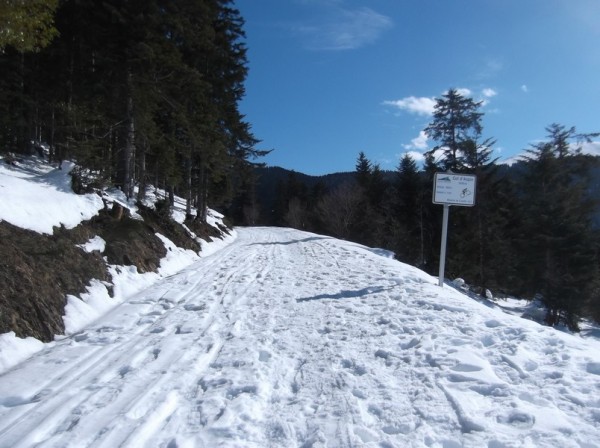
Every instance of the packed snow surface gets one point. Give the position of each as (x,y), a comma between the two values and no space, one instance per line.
(290,339)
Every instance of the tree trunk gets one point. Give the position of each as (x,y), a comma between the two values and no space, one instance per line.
(188,187)
(203,195)
(142,172)
(171,192)
(130,146)
(124,163)
(51,142)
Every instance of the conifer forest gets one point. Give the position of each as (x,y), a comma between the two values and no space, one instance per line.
(136,92)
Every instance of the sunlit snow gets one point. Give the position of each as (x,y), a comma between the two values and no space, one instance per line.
(283,338)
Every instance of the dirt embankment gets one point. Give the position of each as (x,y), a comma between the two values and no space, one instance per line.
(38,271)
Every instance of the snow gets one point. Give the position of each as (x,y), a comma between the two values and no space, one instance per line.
(34,196)
(282,338)
(95,243)
(14,350)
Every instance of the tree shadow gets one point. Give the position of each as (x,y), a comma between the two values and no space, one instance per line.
(287,243)
(345,294)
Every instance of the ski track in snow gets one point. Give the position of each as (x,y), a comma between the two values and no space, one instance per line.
(290,339)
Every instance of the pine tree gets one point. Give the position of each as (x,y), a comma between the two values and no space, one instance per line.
(409,211)
(27,25)
(480,251)
(363,170)
(558,242)
(456,120)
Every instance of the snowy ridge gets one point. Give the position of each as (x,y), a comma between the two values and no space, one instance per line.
(290,339)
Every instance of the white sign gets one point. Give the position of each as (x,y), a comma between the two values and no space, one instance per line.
(454,189)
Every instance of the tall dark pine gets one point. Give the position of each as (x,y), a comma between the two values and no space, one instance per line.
(363,170)
(409,210)
(480,252)
(456,120)
(558,241)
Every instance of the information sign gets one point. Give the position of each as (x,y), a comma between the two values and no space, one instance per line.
(454,189)
(451,189)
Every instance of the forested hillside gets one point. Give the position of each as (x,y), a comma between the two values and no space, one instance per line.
(137,93)
(533,231)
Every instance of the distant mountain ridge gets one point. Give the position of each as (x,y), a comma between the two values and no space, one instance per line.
(270,178)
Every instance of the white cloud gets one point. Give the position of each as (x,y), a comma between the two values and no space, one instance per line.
(464,91)
(524,88)
(418,143)
(416,156)
(425,106)
(414,105)
(487,93)
(344,29)
(591,148)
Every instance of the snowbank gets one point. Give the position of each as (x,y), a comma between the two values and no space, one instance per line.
(38,197)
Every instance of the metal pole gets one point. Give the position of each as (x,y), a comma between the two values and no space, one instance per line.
(443,245)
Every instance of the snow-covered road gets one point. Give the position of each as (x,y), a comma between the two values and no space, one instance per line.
(289,339)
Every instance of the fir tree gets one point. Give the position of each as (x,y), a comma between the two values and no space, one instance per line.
(456,120)
(558,242)
(363,170)
(27,25)
(409,211)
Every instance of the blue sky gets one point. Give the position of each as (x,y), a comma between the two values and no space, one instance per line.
(331,78)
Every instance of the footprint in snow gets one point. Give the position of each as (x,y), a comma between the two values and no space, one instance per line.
(359,394)
(193,307)
(264,356)
(357,370)
(593,368)
(79,337)
(518,419)
(493,323)
(235,392)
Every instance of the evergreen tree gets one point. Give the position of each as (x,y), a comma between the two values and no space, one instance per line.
(558,241)
(370,226)
(363,170)
(27,25)
(432,217)
(456,120)
(409,211)
(480,249)
(377,189)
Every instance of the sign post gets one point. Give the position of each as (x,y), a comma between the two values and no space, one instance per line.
(451,189)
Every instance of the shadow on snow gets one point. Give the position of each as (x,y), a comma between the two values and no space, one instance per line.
(347,294)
